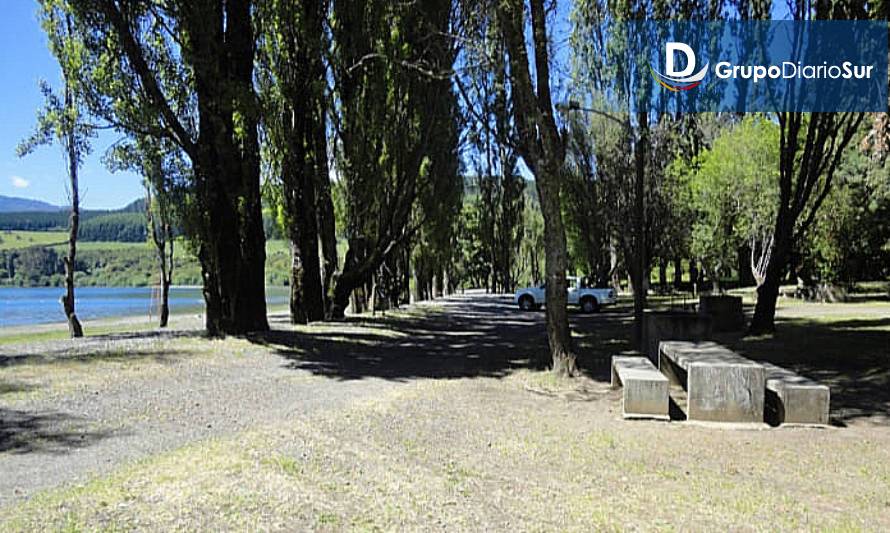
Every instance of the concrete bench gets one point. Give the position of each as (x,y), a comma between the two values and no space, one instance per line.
(794,399)
(721,386)
(645,392)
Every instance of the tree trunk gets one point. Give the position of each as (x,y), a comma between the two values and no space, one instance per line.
(662,275)
(641,264)
(543,151)
(555,263)
(161,234)
(307,294)
(764,319)
(614,264)
(165,303)
(296,303)
(437,284)
(74,327)
(678,273)
(226,163)
(765,310)
(328,241)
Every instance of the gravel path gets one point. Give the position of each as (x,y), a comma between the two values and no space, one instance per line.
(159,391)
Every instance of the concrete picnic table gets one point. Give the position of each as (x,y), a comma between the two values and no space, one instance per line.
(721,385)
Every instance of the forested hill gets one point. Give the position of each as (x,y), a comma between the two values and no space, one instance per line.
(12,204)
(121,225)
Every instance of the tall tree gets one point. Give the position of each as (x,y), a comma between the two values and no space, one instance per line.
(61,120)
(391,61)
(184,71)
(601,40)
(165,176)
(542,149)
(500,188)
(294,84)
(159,215)
(810,149)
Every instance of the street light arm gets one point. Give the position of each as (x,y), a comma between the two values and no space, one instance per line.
(575,106)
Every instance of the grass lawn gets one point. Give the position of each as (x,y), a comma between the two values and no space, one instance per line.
(13,240)
(511,450)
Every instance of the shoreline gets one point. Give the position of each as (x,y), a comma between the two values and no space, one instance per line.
(180,319)
(196,308)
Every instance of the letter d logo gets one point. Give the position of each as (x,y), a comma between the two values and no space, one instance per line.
(670,51)
(679,80)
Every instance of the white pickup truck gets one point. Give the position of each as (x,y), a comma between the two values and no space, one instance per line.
(589,300)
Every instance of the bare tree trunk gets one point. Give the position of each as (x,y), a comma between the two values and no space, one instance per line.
(543,151)
(614,270)
(372,301)
(640,271)
(678,272)
(296,304)
(764,317)
(161,234)
(165,300)
(74,327)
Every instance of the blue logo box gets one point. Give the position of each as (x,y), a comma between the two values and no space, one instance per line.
(751,66)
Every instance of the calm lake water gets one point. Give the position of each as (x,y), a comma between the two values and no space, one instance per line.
(25,306)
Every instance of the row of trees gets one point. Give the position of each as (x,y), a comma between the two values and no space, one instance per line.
(360,119)
(212,95)
(773,186)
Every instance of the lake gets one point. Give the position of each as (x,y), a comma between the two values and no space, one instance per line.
(40,305)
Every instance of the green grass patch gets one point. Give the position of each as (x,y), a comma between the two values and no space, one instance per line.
(14,240)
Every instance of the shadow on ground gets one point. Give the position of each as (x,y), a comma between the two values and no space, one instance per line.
(111,347)
(851,356)
(477,337)
(483,336)
(48,432)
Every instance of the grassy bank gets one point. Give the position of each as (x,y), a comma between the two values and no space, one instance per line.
(37,262)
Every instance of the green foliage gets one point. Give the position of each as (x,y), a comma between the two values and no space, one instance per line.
(38,221)
(473,265)
(117,227)
(731,189)
(850,240)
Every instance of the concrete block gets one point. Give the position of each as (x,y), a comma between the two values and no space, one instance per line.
(794,399)
(726,312)
(721,386)
(645,388)
(673,326)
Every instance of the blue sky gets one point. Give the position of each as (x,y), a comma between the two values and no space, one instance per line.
(25,59)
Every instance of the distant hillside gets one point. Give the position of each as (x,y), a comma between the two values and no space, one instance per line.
(125,225)
(11,204)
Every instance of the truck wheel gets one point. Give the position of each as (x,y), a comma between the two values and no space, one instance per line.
(590,305)
(526,303)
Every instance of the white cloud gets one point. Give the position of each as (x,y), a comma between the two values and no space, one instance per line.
(19,182)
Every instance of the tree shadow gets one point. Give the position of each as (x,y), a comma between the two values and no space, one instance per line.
(475,338)
(100,348)
(851,356)
(471,337)
(45,431)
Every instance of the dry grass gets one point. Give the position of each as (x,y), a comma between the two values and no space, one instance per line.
(520,451)
(489,454)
